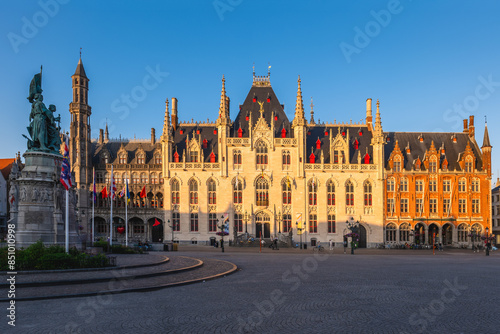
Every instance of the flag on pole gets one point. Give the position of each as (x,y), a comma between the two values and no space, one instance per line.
(127,191)
(143,192)
(66,170)
(299,223)
(93,191)
(104,192)
(156,223)
(225,222)
(122,193)
(113,185)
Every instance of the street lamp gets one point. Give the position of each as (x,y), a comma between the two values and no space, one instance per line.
(353,227)
(279,222)
(246,223)
(487,242)
(222,232)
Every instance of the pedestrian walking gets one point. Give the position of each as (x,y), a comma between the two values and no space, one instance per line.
(331,244)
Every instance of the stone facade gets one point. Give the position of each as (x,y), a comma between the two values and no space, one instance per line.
(259,168)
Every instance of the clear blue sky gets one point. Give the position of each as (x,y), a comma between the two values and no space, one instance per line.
(423,60)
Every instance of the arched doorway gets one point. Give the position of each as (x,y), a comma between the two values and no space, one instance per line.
(420,234)
(447,234)
(433,234)
(362,237)
(262,225)
(156,225)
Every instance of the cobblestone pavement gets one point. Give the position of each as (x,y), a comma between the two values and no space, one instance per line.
(295,292)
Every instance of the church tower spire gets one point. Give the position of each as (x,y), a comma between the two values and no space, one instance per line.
(486,150)
(299,118)
(224,101)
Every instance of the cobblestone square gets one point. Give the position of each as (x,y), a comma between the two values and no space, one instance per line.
(292,291)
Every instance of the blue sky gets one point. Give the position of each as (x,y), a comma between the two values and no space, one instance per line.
(430,63)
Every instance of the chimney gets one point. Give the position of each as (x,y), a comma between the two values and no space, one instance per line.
(153,137)
(369,117)
(466,127)
(174,113)
(101,136)
(471,126)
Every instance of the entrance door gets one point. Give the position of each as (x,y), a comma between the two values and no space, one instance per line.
(362,237)
(258,230)
(157,233)
(447,234)
(433,234)
(267,230)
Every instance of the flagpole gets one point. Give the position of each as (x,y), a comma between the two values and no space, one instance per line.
(93,203)
(66,225)
(111,212)
(126,218)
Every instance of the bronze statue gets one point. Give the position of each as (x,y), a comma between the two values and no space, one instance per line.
(43,130)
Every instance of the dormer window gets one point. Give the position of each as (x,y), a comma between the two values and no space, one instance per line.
(141,159)
(158,159)
(122,159)
(396,167)
(468,165)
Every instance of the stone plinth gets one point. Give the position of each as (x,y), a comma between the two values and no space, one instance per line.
(40,211)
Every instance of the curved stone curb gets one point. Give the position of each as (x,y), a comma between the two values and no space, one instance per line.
(30,272)
(145,289)
(105,279)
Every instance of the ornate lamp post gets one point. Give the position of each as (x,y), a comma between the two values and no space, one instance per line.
(353,227)
(222,232)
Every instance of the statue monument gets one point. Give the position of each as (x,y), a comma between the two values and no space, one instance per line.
(38,209)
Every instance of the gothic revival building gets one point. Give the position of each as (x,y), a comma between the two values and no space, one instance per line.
(270,174)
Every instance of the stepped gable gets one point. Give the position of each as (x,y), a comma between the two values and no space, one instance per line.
(261,91)
(364,141)
(131,146)
(206,132)
(418,149)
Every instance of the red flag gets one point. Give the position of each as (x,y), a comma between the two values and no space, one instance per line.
(156,223)
(104,192)
(143,192)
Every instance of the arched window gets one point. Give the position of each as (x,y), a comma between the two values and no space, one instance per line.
(287,223)
(176,221)
(331,223)
(396,167)
(135,178)
(106,178)
(468,164)
(262,192)
(475,185)
(367,188)
(157,159)
(261,154)
(404,232)
(123,158)
(462,232)
(403,186)
(126,178)
(175,192)
(238,222)
(212,192)
(313,223)
(237,192)
(390,232)
(117,177)
(313,192)
(154,178)
(390,184)
(286,160)
(161,178)
(476,230)
(433,165)
(212,222)
(144,178)
(193,156)
(349,194)
(193,192)
(193,222)
(330,193)
(462,185)
(237,159)
(141,159)
(287,191)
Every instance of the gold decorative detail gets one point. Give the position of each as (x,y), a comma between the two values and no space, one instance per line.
(261,110)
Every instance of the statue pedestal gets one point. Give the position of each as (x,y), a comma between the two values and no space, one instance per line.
(39,213)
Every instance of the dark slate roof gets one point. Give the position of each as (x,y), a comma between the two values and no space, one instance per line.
(130,146)
(318,131)
(80,70)
(206,132)
(453,151)
(486,138)
(261,93)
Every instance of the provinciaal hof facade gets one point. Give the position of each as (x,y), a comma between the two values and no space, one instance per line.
(277,177)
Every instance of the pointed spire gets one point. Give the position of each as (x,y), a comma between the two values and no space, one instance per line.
(80,71)
(486,139)
(312,112)
(299,107)
(106,133)
(223,110)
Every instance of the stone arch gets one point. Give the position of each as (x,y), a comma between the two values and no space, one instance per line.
(334,180)
(175,178)
(216,180)
(261,176)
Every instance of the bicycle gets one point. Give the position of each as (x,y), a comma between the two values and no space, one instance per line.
(319,249)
